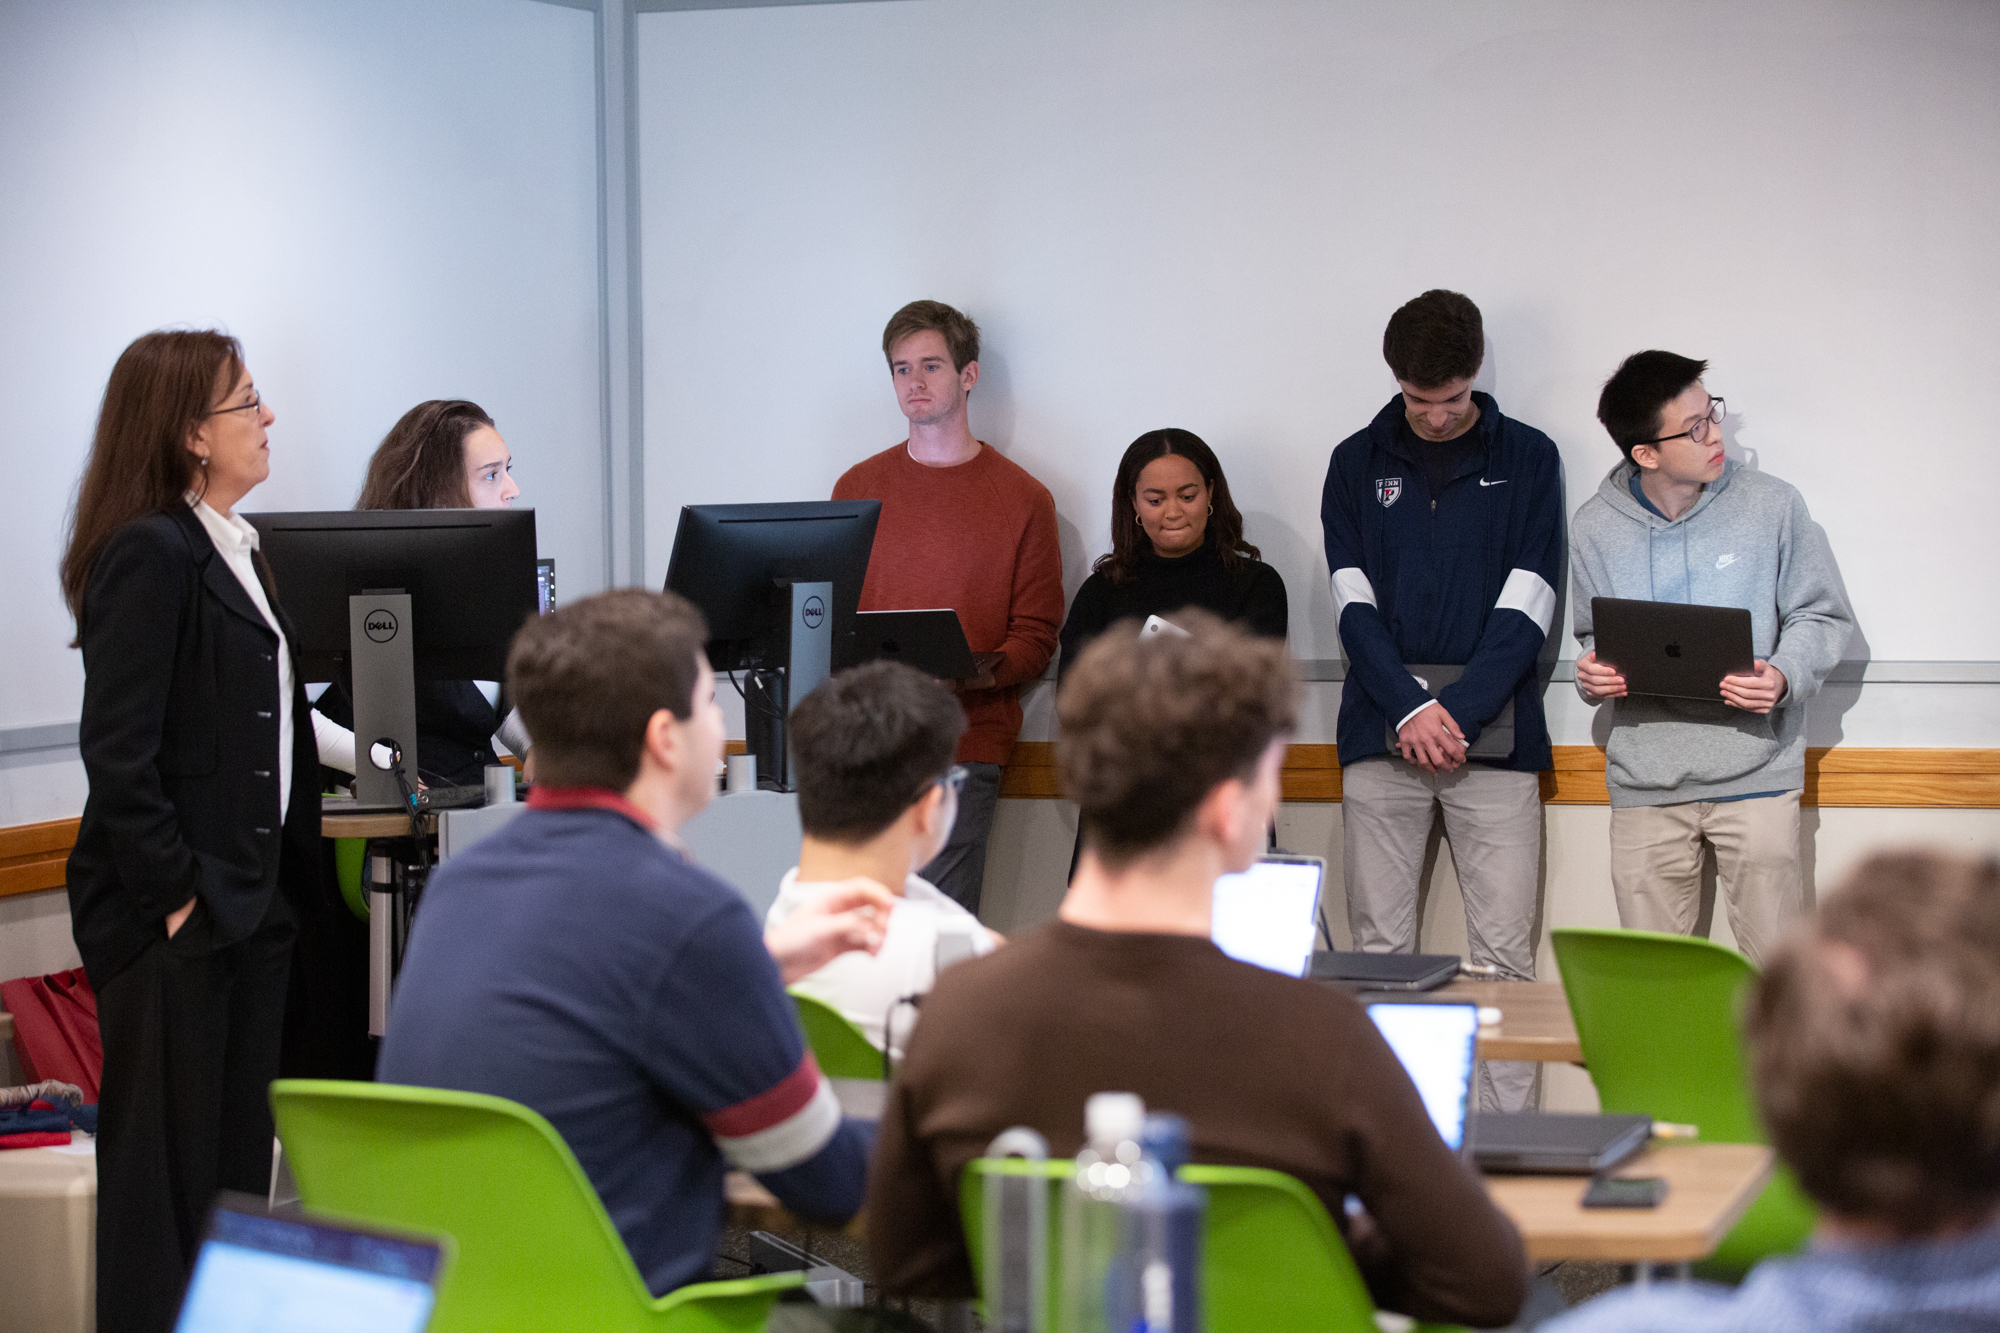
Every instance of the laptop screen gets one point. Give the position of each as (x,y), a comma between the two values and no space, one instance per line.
(263,1274)
(1436,1044)
(1267,915)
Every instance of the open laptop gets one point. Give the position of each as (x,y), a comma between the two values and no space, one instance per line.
(1672,648)
(263,1272)
(932,641)
(1436,1044)
(1268,914)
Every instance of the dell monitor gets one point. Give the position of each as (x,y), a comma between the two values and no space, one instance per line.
(779,585)
(395,595)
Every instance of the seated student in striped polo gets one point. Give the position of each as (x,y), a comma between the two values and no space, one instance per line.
(1876,1044)
(878,791)
(578,962)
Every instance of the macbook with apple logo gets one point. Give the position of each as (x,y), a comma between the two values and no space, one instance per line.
(1672,648)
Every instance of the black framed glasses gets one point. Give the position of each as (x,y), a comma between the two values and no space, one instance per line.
(1699,431)
(256,402)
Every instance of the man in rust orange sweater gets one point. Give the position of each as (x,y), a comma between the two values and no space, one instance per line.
(965,528)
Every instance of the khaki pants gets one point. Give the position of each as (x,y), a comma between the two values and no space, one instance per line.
(1656,855)
(1493,819)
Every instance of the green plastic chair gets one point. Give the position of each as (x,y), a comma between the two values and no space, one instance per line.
(1657,1018)
(1272,1260)
(535,1248)
(350,856)
(839,1047)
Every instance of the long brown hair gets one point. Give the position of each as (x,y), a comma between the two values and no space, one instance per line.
(1128,540)
(420,463)
(161,389)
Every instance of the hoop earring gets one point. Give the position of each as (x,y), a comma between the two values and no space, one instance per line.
(1211,511)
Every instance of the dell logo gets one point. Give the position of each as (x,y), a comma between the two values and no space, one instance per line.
(813,613)
(380,625)
(1673,650)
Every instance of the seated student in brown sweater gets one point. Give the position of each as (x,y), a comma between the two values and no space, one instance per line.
(1172,746)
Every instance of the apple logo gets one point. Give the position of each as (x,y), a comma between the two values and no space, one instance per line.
(1673,650)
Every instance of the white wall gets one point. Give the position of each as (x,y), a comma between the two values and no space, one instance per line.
(385,202)
(1201,214)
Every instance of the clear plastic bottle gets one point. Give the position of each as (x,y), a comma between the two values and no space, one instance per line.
(1106,1179)
(1156,1280)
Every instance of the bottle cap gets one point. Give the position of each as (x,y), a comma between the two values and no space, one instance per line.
(1112,1117)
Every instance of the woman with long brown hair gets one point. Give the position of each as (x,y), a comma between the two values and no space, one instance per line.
(202,822)
(442,454)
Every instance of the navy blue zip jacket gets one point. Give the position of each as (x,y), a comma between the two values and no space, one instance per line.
(1466,577)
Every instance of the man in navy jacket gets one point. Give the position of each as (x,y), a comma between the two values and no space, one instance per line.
(1444,535)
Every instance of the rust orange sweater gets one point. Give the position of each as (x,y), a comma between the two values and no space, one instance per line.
(979,538)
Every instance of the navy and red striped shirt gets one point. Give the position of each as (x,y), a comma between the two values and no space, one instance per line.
(577,964)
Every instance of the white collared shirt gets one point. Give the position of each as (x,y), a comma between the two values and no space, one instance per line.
(234,540)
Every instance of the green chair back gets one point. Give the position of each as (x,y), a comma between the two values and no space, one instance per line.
(1657,1018)
(535,1249)
(349,857)
(1272,1260)
(840,1048)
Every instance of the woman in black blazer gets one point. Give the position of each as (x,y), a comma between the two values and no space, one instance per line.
(203,813)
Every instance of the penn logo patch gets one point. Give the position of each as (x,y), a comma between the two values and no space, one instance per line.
(1388,490)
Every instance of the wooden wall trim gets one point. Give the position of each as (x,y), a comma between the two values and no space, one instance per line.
(32,855)
(1839,776)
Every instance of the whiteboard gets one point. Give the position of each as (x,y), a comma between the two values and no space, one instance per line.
(1202,214)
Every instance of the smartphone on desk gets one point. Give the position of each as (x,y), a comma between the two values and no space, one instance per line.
(1625,1192)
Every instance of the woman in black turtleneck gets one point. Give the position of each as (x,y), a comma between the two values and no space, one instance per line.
(1176,540)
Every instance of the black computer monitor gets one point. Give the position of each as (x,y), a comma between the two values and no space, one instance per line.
(733,562)
(470,574)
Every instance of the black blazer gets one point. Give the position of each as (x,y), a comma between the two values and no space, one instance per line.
(179,739)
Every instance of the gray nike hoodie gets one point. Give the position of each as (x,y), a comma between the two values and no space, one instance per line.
(1746,541)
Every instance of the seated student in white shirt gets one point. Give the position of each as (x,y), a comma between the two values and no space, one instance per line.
(872,753)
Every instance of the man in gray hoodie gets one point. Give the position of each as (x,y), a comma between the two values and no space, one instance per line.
(1678,522)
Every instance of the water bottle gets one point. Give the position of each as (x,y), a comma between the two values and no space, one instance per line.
(1107,1177)
(1156,1284)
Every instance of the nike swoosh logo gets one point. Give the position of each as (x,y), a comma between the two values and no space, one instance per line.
(1502,482)
(1724,561)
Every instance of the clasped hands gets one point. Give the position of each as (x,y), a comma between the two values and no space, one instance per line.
(1756,692)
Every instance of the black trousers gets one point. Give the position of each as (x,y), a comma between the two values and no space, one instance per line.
(191,1033)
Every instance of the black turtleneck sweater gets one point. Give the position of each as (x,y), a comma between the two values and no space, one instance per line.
(1254,597)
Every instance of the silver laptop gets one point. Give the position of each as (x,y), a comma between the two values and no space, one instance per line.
(1436,1043)
(264,1272)
(1269,914)
(1672,648)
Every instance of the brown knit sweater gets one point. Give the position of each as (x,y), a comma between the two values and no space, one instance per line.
(1270,1071)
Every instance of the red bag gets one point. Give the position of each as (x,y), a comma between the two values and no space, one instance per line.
(55,1029)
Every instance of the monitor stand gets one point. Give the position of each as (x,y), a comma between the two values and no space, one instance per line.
(808,649)
(385,704)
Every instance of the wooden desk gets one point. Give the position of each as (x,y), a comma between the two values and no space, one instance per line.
(1709,1185)
(381,824)
(1535,1022)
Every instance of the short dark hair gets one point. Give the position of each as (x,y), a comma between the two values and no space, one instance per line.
(865,746)
(1435,339)
(1638,390)
(961,335)
(1876,1032)
(589,677)
(420,463)
(1151,725)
